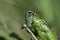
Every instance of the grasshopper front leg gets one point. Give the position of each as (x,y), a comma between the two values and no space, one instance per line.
(28,29)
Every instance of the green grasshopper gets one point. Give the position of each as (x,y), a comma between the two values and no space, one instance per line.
(39,27)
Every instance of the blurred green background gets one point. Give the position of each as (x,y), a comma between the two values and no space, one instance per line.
(12,15)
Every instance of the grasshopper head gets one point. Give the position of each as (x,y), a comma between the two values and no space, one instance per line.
(29,18)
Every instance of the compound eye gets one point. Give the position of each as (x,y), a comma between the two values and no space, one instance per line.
(30,14)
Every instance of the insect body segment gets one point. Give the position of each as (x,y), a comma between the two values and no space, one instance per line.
(43,31)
